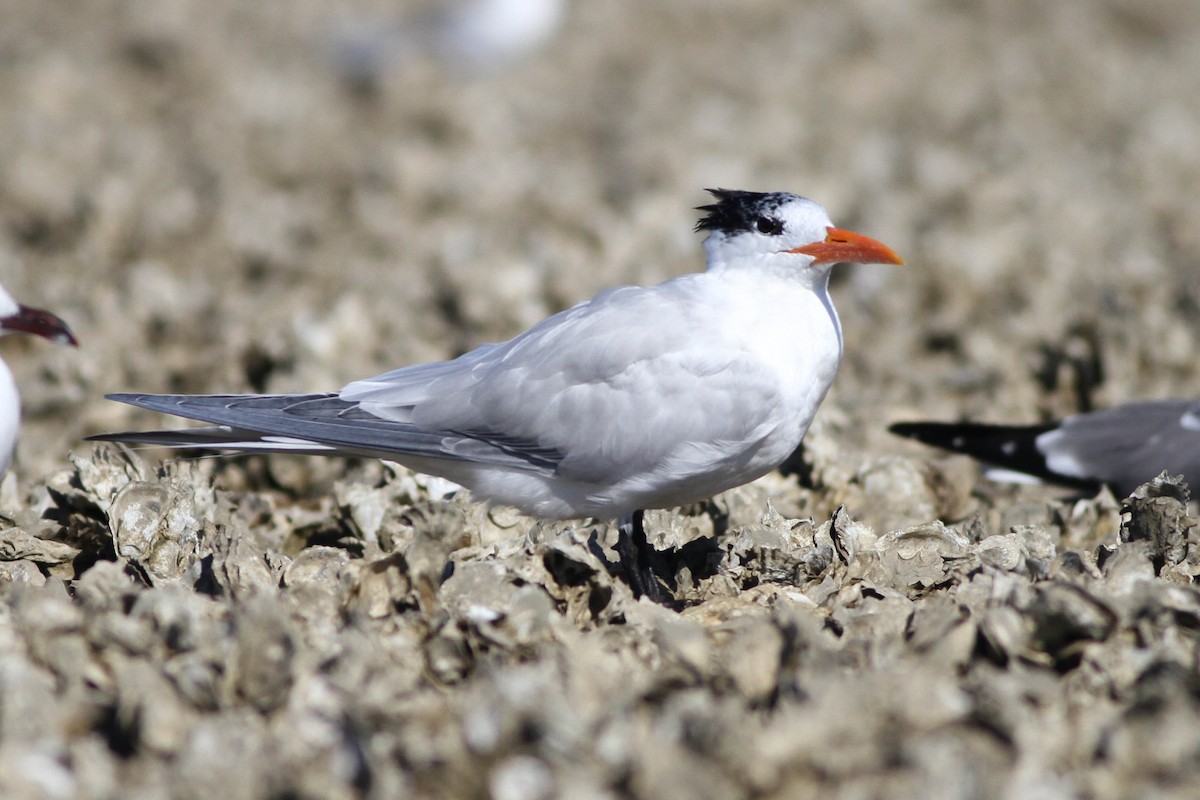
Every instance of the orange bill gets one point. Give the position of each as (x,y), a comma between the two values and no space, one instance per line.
(848,246)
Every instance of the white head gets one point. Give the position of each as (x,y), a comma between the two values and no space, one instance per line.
(8,306)
(781,231)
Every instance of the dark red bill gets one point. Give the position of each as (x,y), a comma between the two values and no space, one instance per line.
(40,323)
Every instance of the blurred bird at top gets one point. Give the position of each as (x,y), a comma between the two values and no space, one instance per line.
(17,318)
(468,37)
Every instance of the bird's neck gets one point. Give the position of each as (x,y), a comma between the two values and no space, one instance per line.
(768,266)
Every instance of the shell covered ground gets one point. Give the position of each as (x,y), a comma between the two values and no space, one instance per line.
(228,197)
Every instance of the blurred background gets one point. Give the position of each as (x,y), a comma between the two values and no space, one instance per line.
(229,196)
(237,196)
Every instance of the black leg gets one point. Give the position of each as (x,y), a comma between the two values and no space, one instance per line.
(640,559)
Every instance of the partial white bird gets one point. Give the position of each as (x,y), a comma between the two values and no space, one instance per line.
(643,397)
(16,318)
(1121,447)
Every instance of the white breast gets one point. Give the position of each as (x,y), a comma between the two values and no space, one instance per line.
(10,417)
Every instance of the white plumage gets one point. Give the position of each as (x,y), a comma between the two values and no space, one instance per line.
(643,397)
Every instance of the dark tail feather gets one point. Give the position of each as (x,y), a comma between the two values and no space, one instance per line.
(216,438)
(1012,447)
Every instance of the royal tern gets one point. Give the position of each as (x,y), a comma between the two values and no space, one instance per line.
(1122,447)
(17,318)
(643,397)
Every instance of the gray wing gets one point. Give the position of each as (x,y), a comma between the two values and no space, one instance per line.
(1128,445)
(602,392)
(611,386)
(321,423)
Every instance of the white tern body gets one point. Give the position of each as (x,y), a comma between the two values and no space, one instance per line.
(643,397)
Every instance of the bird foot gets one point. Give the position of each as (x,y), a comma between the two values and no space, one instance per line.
(645,568)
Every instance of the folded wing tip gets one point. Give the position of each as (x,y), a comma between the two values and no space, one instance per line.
(107,437)
(922,431)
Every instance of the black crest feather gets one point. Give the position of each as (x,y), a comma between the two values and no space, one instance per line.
(736,210)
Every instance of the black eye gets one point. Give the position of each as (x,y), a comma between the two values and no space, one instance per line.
(769,226)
